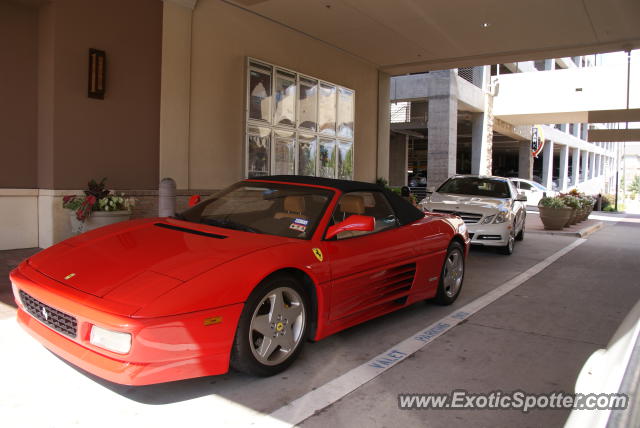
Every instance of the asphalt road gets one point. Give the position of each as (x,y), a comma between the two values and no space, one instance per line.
(534,338)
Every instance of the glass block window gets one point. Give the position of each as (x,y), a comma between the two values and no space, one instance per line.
(297,124)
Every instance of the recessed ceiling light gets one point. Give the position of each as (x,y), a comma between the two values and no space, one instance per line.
(486,25)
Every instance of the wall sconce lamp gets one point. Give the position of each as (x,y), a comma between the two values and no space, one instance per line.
(97,73)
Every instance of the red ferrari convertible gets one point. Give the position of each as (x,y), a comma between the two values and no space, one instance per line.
(243,278)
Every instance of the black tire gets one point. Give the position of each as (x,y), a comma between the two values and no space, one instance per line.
(520,235)
(443,296)
(243,352)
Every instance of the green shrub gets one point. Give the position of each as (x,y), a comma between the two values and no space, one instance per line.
(607,200)
(571,201)
(552,202)
(586,202)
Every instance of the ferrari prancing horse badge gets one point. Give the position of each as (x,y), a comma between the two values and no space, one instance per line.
(318,254)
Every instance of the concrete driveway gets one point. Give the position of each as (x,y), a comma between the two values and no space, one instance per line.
(527,322)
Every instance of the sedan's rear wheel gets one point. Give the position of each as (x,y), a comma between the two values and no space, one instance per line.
(272,327)
(452,275)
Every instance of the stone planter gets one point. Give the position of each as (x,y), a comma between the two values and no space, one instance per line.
(97,219)
(554,218)
(581,215)
(589,211)
(574,220)
(572,217)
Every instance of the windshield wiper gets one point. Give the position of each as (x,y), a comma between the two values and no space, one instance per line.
(228,224)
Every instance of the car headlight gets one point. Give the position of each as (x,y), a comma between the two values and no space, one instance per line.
(111,340)
(488,219)
(501,217)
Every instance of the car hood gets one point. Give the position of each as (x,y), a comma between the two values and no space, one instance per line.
(466,203)
(141,259)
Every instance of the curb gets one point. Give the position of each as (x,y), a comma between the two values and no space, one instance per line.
(582,233)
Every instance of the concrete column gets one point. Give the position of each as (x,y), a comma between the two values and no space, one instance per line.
(482,127)
(592,166)
(442,128)
(547,164)
(564,168)
(384,125)
(398,155)
(576,130)
(585,165)
(575,166)
(481,144)
(175,91)
(596,169)
(549,64)
(525,161)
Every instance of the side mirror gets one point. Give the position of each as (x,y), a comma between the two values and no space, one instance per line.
(521,197)
(194,200)
(431,189)
(353,222)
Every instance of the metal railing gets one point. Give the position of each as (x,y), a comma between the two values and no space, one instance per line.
(400,112)
(466,73)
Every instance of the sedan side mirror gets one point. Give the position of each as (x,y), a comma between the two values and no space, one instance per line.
(353,222)
(521,197)
(431,189)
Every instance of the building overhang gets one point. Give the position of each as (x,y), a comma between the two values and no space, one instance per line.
(613,135)
(405,36)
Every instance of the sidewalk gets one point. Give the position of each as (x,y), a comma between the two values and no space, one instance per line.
(536,339)
(580,230)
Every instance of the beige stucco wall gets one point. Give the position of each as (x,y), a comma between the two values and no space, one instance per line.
(19,215)
(222,37)
(80,138)
(18,95)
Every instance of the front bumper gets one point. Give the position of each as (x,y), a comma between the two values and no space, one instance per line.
(163,349)
(490,235)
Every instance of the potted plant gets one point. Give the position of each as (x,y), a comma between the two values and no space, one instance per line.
(590,202)
(583,211)
(553,212)
(582,208)
(98,207)
(573,203)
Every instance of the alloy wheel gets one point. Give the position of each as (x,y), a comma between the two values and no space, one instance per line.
(453,272)
(277,326)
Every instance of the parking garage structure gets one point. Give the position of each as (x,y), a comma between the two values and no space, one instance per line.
(479,120)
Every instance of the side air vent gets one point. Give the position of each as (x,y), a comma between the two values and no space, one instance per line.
(386,287)
(192,231)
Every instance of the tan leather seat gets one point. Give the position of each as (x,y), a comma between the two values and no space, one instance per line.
(293,208)
(352,204)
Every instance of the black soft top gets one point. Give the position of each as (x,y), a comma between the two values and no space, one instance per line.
(405,211)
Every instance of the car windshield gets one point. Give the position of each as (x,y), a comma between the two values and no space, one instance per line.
(488,187)
(275,209)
